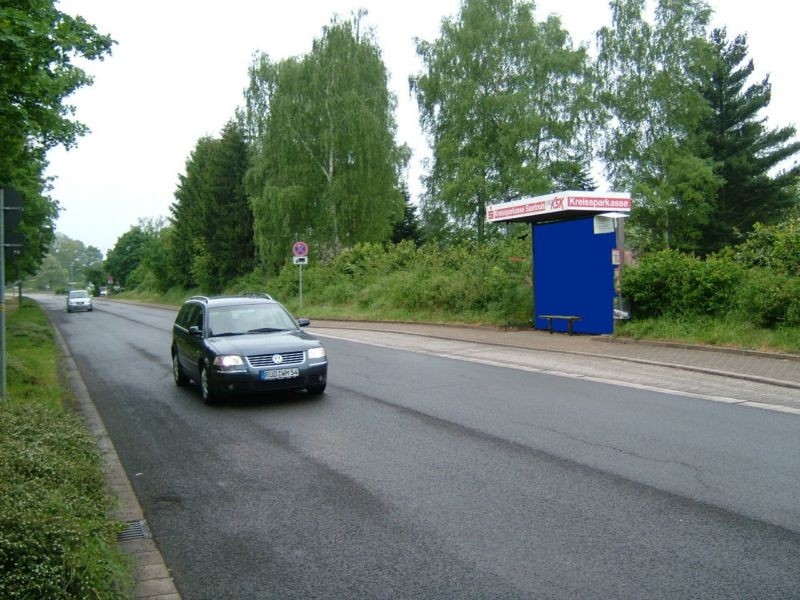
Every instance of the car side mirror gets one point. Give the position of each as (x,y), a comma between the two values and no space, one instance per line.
(303,322)
(196,331)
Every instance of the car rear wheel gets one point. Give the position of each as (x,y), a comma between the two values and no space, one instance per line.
(205,388)
(177,372)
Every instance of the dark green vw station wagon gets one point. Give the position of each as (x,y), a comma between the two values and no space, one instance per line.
(246,344)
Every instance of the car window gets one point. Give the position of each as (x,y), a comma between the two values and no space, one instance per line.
(241,319)
(196,316)
(78,294)
(183,316)
(190,314)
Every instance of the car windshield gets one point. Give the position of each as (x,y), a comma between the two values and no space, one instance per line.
(78,294)
(249,318)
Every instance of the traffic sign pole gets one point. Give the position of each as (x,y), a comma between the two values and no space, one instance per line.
(10,200)
(3,296)
(300,251)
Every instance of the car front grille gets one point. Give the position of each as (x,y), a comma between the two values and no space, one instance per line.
(268,360)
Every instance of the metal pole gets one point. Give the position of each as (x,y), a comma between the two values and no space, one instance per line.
(533,278)
(620,236)
(300,266)
(3,296)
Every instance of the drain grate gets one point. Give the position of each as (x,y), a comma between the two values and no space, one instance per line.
(135,530)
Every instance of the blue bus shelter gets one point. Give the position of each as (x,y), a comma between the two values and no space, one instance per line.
(578,240)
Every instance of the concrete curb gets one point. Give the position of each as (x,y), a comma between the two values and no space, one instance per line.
(369,325)
(706,348)
(376,326)
(150,572)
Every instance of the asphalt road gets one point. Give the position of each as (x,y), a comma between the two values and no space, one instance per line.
(418,476)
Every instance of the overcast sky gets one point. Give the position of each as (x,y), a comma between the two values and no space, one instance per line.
(179,68)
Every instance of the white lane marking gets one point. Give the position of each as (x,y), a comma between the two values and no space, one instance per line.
(557,373)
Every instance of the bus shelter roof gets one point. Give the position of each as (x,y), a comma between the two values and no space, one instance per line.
(559,206)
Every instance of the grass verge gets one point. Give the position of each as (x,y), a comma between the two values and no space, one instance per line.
(710,331)
(56,537)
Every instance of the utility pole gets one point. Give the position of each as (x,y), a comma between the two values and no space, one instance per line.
(3,389)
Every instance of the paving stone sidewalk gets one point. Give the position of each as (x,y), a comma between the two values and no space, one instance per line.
(766,367)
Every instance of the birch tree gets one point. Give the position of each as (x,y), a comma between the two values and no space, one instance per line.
(650,71)
(504,98)
(326,167)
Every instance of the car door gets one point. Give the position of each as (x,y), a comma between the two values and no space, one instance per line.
(194,347)
(188,346)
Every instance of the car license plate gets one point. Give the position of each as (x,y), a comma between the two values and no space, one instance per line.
(279,374)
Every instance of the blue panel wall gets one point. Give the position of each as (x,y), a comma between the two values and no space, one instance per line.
(574,275)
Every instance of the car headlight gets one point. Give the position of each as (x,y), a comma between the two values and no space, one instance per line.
(318,352)
(229,362)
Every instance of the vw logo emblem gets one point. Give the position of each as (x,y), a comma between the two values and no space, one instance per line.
(277,359)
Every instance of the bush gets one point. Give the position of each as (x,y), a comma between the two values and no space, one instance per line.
(55,538)
(712,286)
(459,282)
(671,284)
(773,247)
(769,299)
(657,285)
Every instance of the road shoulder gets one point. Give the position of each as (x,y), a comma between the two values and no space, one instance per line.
(150,572)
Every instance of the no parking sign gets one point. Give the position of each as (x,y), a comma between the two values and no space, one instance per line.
(300,249)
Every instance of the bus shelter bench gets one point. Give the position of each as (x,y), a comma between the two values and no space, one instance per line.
(569,318)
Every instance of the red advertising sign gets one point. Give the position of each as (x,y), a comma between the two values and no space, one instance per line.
(567,203)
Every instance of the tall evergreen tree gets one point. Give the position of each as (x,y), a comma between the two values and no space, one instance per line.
(741,147)
(572,174)
(409,228)
(228,217)
(211,240)
(187,213)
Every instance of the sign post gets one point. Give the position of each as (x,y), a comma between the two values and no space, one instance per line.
(3,391)
(300,251)
(10,200)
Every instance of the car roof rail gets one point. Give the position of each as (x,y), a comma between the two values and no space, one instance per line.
(201,298)
(257,295)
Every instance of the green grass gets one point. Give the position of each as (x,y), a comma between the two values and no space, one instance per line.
(174,296)
(31,370)
(56,537)
(351,312)
(729,333)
